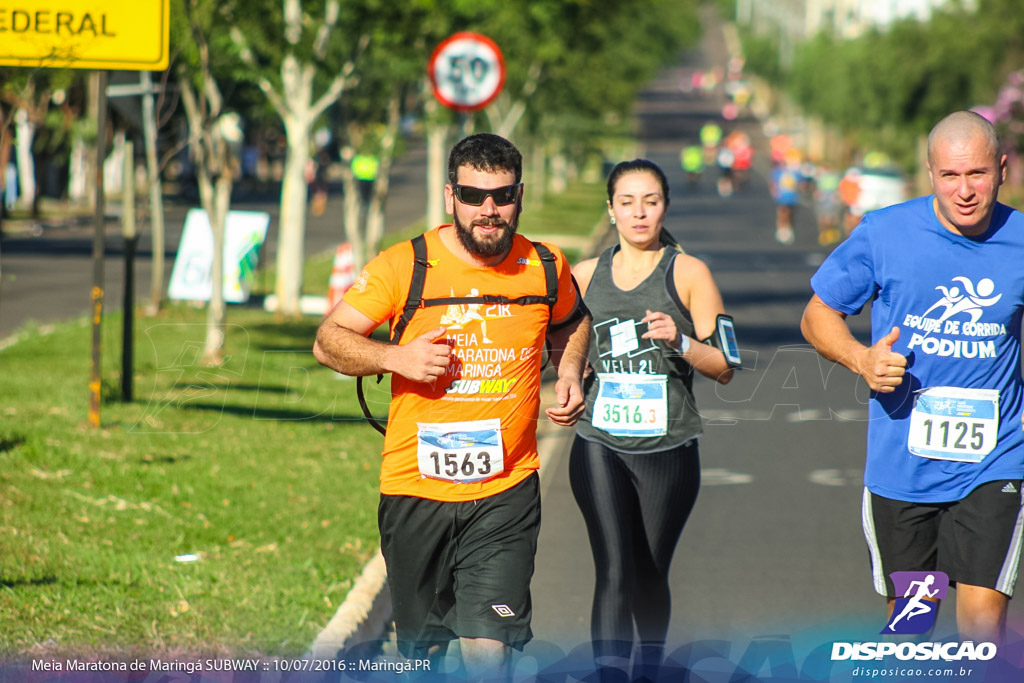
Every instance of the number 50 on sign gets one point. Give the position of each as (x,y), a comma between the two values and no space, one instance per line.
(467,71)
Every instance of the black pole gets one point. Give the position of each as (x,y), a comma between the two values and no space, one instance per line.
(131,242)
(127,365)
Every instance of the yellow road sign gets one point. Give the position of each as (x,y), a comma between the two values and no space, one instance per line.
(85,34)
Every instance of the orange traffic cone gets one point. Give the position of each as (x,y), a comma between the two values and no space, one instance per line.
(342,275)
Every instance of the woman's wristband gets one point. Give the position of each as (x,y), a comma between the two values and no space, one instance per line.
(684,344)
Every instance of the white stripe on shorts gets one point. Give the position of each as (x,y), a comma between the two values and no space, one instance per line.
(1008,572)
(867,521)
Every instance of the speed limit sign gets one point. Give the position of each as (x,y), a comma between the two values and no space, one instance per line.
(467,71)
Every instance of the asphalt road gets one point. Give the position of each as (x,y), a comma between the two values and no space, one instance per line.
(47,274)
(773,559)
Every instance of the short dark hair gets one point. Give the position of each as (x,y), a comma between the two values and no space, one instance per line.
(637,166)
(485,152)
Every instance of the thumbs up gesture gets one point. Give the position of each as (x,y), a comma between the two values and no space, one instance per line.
(422,359)
(882,368)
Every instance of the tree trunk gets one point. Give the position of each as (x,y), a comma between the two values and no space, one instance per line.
(351,210)
(559,180)
(437,136)
(292,221)
(156,202)
(214,172)
(294,103)
(25,132)
(113,166)
(78,171)
(215,196)
(375,211)
(538,175)
(206,200)
(216,312)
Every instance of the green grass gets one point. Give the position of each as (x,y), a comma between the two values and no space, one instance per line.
(573,213)
(263,467)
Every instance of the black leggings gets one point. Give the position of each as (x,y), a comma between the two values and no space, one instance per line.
(635,507)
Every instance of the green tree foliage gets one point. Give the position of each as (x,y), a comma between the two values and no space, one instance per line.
(762,55)
(590,59)
(573,67)
(887,88)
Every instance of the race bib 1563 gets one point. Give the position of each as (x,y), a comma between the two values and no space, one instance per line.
(460,452)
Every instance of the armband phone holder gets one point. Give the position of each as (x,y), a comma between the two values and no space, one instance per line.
(724,339)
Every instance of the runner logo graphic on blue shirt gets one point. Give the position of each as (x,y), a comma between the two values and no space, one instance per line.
(972,301)
(915,612)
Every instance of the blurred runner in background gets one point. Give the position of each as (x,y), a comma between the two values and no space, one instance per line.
(786,181)
(849,193)
(743,156)
(692,160)
(710,136)
(726,159)
(827,206)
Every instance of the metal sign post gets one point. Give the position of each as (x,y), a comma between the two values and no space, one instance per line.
(131,241)
(131,35)
(99,246)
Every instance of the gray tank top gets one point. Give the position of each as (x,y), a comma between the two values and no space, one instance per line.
(628,404)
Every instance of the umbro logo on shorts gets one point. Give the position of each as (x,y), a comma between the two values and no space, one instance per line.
(503,610)
(1009,488)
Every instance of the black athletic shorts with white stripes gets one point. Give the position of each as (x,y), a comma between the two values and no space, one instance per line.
(975,540)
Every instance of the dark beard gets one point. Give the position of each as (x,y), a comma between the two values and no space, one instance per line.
(490,247)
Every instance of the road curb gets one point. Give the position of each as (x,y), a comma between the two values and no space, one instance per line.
(362,616)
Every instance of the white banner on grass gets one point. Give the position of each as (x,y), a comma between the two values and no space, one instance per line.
(244,233)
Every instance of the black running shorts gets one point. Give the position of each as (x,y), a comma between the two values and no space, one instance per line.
(975,540)
(461,570)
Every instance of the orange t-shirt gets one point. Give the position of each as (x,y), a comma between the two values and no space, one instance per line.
(491,386)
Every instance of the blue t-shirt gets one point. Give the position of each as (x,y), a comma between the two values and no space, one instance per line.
(958,303)
(786,185)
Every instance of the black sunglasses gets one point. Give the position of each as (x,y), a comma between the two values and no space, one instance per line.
(475,196)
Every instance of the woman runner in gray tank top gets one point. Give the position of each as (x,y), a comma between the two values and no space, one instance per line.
(634,467)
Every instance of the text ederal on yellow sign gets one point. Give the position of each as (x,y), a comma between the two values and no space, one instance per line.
(85,34)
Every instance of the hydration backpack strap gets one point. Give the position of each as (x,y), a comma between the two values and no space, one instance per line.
(365,408)
(412,302)
(547,259)
(415,298)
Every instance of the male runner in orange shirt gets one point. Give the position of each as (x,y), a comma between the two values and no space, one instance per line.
(460,502)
